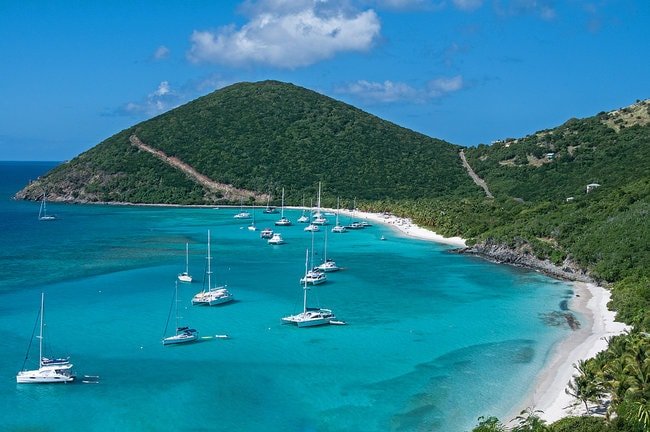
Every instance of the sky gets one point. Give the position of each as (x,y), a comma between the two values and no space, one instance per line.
(73,73)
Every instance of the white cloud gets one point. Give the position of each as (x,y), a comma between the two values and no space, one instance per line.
(390,92)
(163,89)
(161,53)
(442,86)
(468,5)
(166,97)
(541,8)
(402,4)
(385,92)
(283,35)
(160,100)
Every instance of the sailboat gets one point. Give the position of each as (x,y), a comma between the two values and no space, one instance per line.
(183,334)
(242,214)
(338,228)
(55,370)
(309,317)
(269,209)
(315,276)
(213,295)
(185,276)
(303,217)
(283,221)
(252,226)
(42,212)
(318,217)
(328,265)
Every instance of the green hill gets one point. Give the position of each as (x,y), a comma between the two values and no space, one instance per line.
(251,139)
(260,137)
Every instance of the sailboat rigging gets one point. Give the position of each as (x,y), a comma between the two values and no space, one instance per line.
(42,212)
(185,276)
(183,334)
(54,370)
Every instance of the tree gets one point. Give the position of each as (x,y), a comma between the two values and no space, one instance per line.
(586,386)
(489,424)
(530,421)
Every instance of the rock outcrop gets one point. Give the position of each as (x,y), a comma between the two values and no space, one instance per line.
(522,257)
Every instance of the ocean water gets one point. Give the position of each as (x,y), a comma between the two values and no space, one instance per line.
(433,340)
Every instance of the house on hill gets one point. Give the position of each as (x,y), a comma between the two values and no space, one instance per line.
(592,186)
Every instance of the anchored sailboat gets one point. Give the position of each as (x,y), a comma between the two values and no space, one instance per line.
(183,334)
(55,370)
(283,221)
(42,212)
(212,295)
(309,317)
(185,276)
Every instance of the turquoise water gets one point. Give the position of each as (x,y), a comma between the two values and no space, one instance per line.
(433,340)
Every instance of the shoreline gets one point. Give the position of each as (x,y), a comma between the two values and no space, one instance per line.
(547,393)
(406,226)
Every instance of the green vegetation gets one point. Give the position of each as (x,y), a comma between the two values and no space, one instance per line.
(264,136)
(605,231)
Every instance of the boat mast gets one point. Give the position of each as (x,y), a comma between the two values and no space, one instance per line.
(176,301)
(40,336)
(318,214)
(338,202)
(187,258)
(304,306)
(209,266)
(282,210)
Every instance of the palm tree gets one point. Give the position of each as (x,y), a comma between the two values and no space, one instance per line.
(586,385)
(489,424)
(641,416)
(530,421)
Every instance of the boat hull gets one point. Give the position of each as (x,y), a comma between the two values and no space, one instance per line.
(180,339)
(44,376)
(311,318)
(183,277)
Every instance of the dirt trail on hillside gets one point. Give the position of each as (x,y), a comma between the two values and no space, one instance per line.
(478,180)
(229,192)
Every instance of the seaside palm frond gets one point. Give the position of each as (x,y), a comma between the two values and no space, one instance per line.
(642,415)
(489,424)
(586,386)
(529,420)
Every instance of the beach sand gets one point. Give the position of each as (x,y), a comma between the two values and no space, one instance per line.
(590,302)
(548,394)
(406,226)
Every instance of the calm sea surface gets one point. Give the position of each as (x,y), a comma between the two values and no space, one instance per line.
(433,340)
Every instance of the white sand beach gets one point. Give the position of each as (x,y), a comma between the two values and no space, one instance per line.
(590,301)
(548,394)
(405,226)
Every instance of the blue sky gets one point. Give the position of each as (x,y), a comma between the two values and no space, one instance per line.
(73,73)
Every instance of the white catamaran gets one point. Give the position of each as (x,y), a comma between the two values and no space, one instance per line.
(212,295)
(309,317)
(55,370)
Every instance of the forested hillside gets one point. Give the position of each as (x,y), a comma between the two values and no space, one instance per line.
(262,137)
(575,197)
